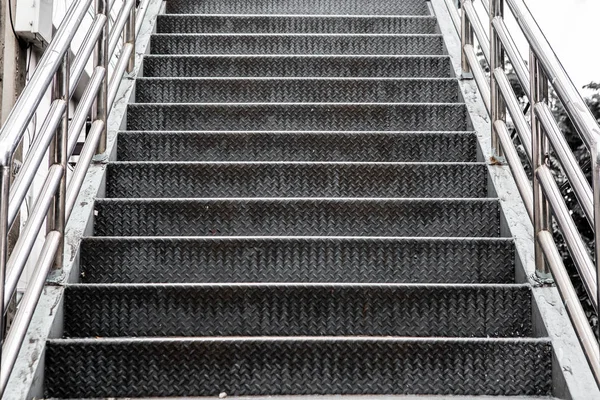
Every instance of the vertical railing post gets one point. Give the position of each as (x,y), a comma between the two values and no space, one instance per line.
(59,155)
(540,147)
(101,59)
(130,37)
(5,171)
(596,193)
(466,37)
(497,59)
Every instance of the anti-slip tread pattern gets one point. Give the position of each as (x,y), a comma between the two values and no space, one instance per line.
(297,66)
(204,180)
(277,217)
(297,310)
(298,146)
(173,23)
(301,116)
(179,43)
(308,90)
(163,367)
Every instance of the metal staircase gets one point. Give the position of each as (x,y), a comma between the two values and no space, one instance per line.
(297,207)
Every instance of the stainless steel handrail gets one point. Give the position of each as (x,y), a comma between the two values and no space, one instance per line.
(542,197)
(57,137)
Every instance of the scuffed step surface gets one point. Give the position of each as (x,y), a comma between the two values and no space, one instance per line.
(272,366)
(339,7)
(173,23)
(297,66)
(298,116)
(297,310)
(298,146)
(179,43)
(310,90)
(366,260)
(292,217)
(196,180)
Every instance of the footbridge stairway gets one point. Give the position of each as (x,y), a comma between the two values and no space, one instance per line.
(298,207)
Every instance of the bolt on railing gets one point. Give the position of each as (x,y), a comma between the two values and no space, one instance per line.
(542,197)
(58,137)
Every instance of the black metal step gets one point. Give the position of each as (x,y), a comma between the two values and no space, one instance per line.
(181,43)
(295,90)
(235,23)
(298,146)
(79,368)
(297,66)
(297,217)
(311,7)
(264,259)
(297,310)
(299,116)
(205,180)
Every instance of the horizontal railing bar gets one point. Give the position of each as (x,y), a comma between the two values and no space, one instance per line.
(454,16)
(85,51)
(576,109)
(486,6)
(480,79)
(82,111)
(480,33)
(27,238)
(577,179)
(513,54)
(117,30)
(577,249)
(119,70)
(514,162)
(141,13)
(85,158)
(33,160)
(26,105)
(571,302)
(521,125)
(19,326)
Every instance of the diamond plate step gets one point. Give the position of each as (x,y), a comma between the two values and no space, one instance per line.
(338,7)
(297,66)
(299,116)
(297,217)
(205,180)
(298,146)
(297,310)
(363,44)
(173,23)
(79,368)
(295,90)
(276,259)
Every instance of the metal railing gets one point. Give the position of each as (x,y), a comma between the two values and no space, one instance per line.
(542,197)
(57,137)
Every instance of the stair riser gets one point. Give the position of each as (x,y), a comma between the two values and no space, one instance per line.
(295,91)
(298,146)
(305,24)
(297,66)
(293,117)
(297,218)
(287,310)
(97,368)
(310,7)
(106,260)
(296,44)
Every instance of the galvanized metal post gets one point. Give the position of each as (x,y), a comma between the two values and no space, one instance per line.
(4,194)
(596,193)
(130,37)
(101,59)
(541,209)
(466,37)
(497,59)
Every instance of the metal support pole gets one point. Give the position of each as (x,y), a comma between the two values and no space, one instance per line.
(596,192)
(100,111)
(466,38)
(59,154)
(4,193)
(541,210)
(497,59)
(130,38)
